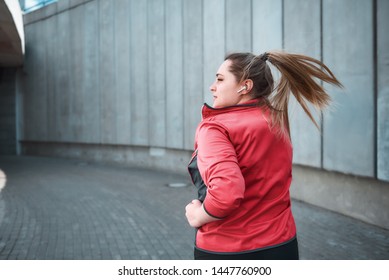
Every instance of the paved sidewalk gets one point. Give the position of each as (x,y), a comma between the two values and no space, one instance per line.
(55,208)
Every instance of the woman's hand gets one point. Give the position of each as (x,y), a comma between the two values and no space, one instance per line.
(196,215)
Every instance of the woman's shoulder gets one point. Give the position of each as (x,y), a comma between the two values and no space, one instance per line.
(235,121)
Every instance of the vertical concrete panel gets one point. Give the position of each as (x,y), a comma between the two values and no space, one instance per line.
(348,51)
(214,43)
(28,78)
(267,25)
(20,90)
(8,112)
(30,65)
(77,50)
(139,73)
(51,57)
(174,75)
(122,58)
(40,122)
(193,68)
(300,37)
(107,73)
(90,86)
(63,88)
(238,26)
(383,90)
(156,61)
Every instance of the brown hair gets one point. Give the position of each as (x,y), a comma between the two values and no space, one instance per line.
(298,74)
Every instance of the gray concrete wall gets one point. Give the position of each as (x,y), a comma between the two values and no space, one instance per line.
(365,199)
(304,38)
(134,74)
(382,68)
(7,111)
(348,48)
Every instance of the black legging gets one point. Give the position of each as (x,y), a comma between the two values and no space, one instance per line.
(288,251)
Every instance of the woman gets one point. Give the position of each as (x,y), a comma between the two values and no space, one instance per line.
(242,163)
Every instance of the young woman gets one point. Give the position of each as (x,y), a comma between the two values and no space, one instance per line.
(242,164)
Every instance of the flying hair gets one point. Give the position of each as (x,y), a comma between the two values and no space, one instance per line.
(300,76)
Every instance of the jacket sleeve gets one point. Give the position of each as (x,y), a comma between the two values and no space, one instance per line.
(219,168)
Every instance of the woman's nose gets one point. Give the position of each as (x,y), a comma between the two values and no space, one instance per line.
(212,88)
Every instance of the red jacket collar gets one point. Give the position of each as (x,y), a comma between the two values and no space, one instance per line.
(208,111)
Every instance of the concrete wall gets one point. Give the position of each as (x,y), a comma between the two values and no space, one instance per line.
(304,38)
(349,138)
(7,111)
(133,75)
(382,68)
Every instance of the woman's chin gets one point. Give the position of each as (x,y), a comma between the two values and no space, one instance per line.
(215,104)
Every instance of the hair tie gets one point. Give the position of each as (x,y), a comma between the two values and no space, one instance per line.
(264,56)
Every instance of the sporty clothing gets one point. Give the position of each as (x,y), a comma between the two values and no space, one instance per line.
(246,170)
(288,251)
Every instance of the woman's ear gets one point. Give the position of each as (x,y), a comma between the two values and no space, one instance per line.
(247,85)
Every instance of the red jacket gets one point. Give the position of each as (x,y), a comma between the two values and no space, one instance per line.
(247,170)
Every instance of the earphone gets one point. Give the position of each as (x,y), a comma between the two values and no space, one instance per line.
(242,89)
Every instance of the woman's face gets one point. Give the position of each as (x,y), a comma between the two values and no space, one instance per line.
(225,88)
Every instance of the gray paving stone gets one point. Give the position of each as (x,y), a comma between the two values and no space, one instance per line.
(55,208)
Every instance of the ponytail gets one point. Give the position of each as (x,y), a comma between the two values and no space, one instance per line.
(299,74)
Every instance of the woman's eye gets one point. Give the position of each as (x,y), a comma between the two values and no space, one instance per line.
(220,80)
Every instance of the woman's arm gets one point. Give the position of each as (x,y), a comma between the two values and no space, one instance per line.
(219,168)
